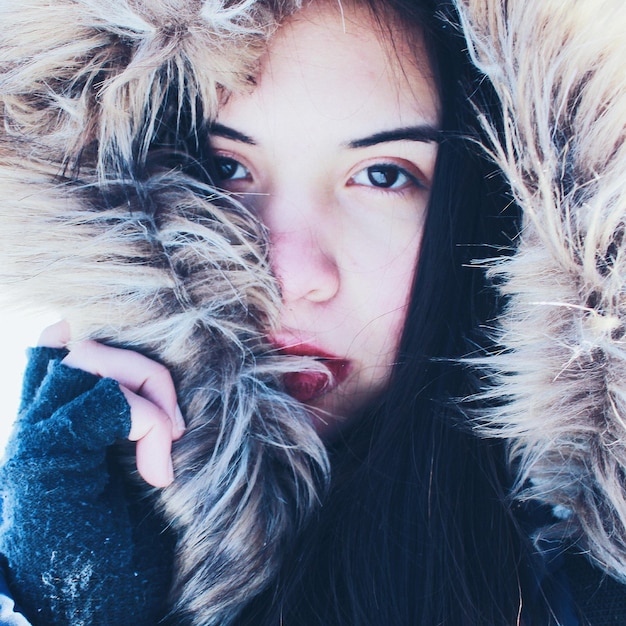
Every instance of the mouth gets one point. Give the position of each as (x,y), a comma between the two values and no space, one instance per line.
(307,386)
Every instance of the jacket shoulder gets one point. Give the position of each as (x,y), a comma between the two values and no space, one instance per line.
(600,599)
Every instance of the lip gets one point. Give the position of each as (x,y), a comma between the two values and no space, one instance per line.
(308,386)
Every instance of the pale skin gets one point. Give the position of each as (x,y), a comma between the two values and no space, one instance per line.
(334,149)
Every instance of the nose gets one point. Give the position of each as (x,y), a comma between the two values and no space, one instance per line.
(302,249)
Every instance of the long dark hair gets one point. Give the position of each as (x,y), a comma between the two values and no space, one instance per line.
(416,528)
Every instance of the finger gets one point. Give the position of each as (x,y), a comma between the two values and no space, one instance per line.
(55,336)
(151,428)
(136,372)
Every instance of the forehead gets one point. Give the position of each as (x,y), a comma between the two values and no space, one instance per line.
(340,62)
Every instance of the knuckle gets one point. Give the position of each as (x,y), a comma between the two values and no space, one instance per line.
(82,349)
(161,373)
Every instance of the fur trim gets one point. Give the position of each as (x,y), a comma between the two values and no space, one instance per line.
(151,258)
(560,379)
(77,72)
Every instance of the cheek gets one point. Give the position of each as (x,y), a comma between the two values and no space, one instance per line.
(387,294)
(396,261)
(397,298)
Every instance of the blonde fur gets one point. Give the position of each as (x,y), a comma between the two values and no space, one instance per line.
(560,378)
(148,257)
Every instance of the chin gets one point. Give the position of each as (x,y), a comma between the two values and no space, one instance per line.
(331,415)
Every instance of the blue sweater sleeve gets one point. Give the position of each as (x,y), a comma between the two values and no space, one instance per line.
(83,546)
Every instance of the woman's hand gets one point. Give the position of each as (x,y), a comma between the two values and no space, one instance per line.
(83,543)
(149,390)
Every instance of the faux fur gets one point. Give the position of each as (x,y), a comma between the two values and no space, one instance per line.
(559,381)
(154,259)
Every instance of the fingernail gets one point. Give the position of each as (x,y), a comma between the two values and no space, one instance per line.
(180,420)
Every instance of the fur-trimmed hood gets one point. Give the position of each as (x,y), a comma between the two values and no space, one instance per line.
(144,255)
(559,381)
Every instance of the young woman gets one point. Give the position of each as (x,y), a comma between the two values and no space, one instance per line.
(353,145)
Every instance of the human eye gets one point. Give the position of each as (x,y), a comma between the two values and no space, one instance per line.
(386,176)
(229,169)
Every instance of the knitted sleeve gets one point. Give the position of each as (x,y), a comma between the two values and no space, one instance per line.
(81,546)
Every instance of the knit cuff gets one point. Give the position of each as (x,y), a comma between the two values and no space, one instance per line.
(65,428)
(36,368)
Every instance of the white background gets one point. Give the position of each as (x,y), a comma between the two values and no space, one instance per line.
(17,332)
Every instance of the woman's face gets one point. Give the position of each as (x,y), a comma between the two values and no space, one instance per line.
(334,148)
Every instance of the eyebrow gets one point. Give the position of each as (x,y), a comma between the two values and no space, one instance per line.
(220,130)
(424,133)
